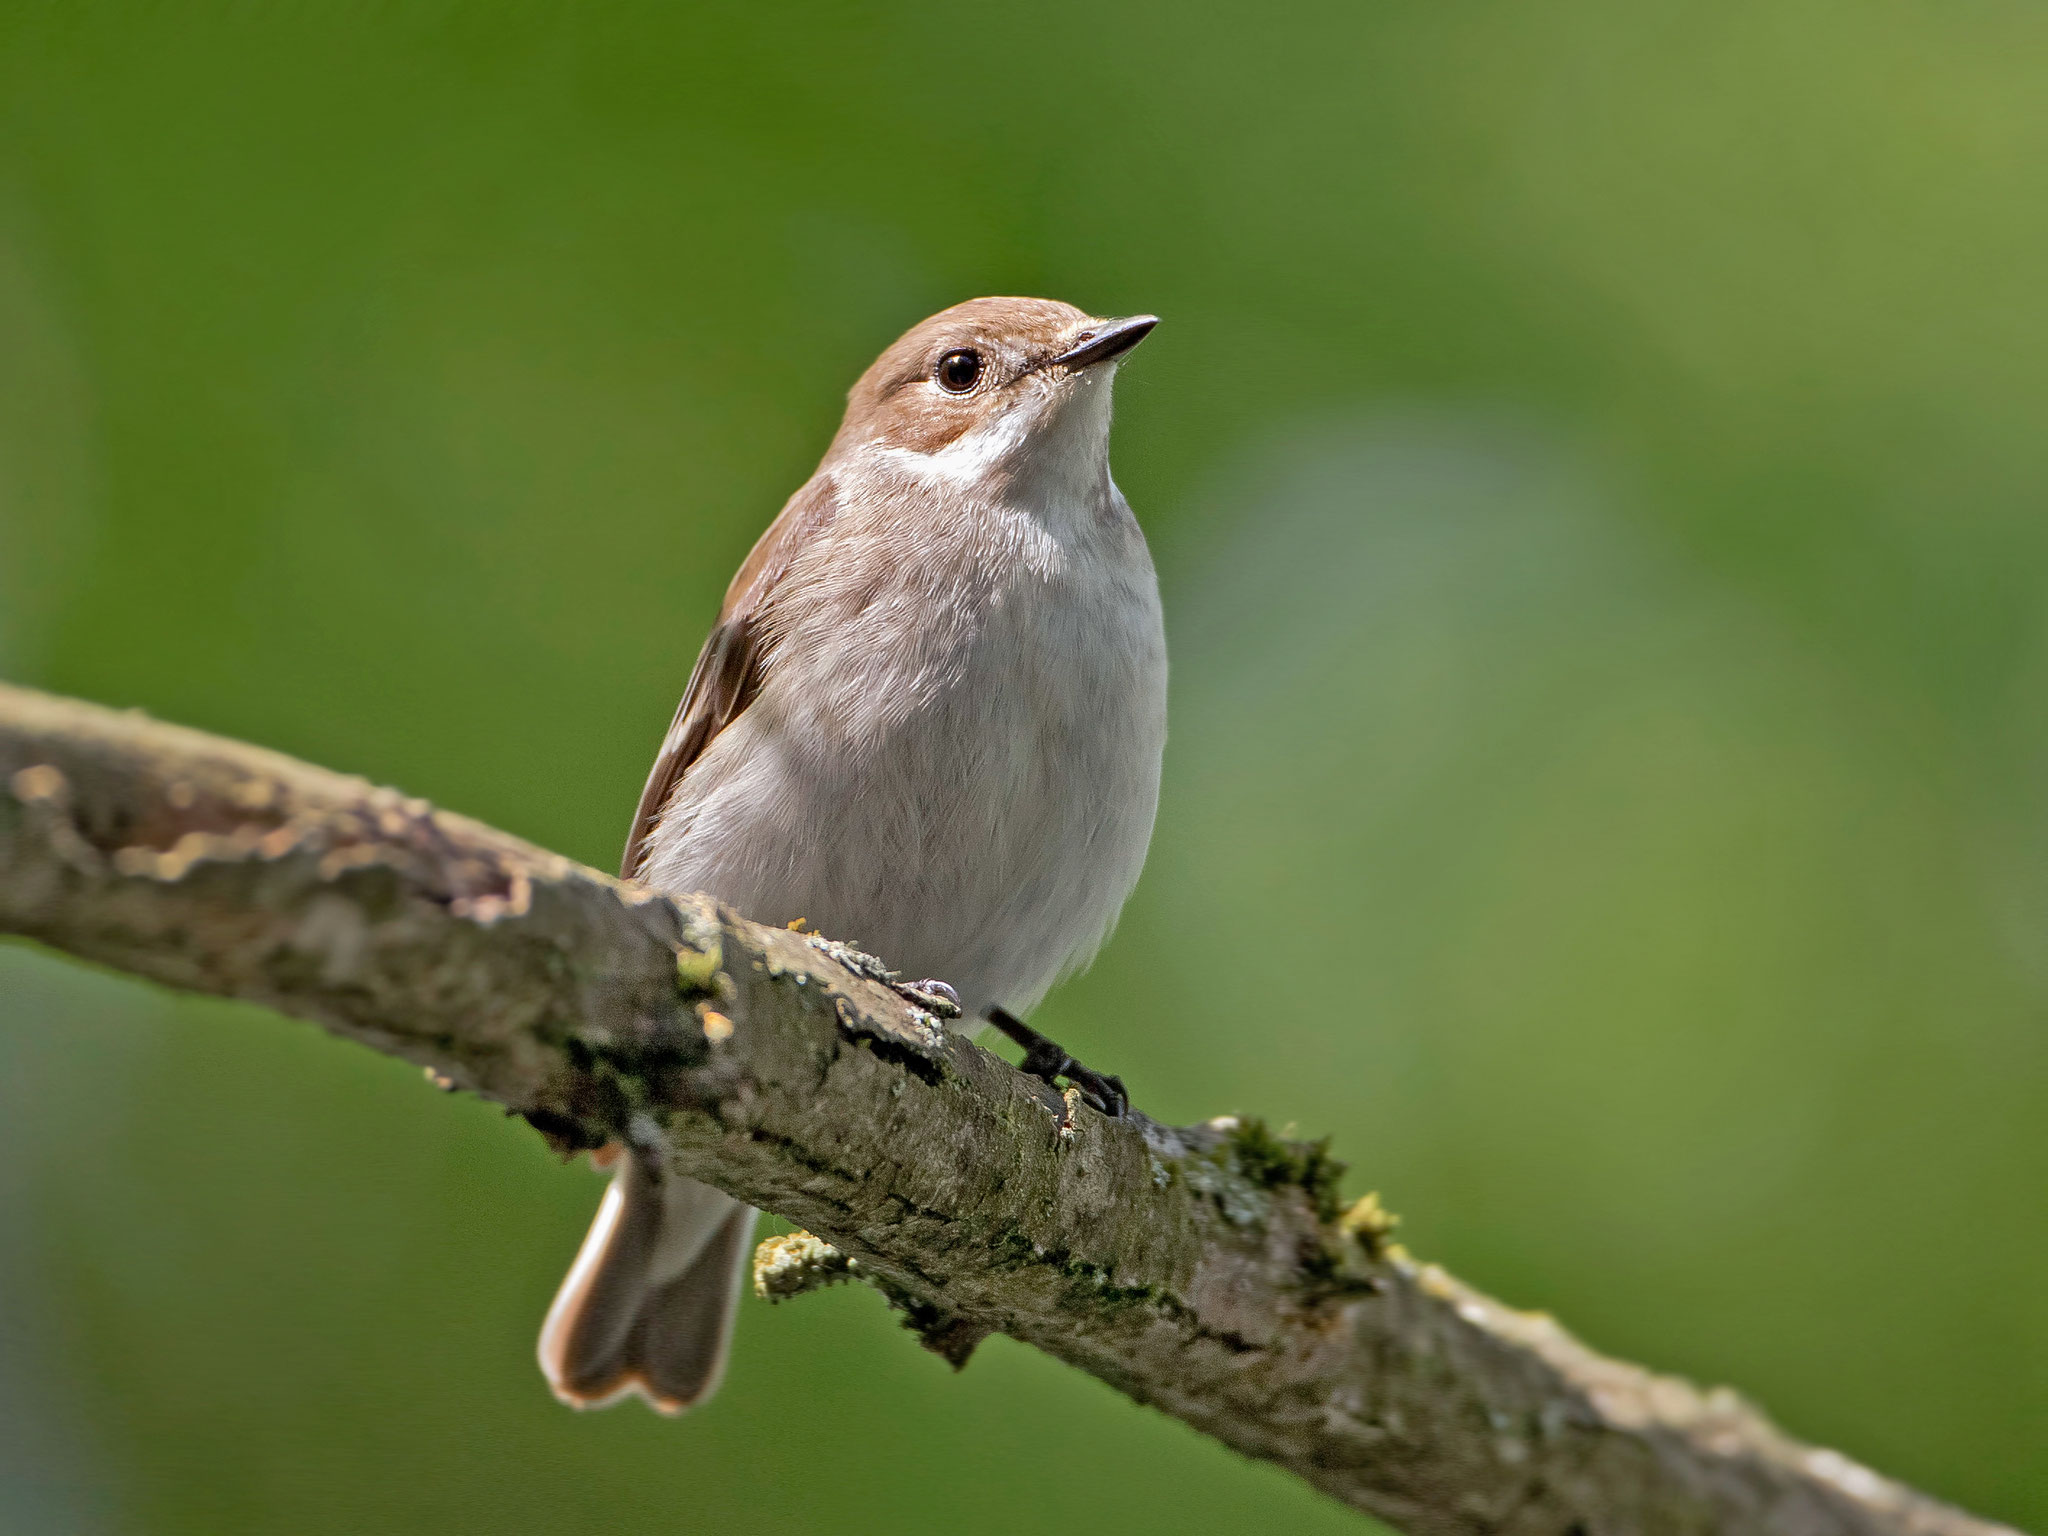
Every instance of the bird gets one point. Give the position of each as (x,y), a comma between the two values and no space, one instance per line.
(929,720)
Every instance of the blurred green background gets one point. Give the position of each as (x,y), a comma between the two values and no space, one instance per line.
(1596,460)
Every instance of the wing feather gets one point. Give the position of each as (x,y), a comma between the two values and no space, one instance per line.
(732,666)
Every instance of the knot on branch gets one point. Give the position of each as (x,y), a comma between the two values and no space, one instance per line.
(798,1262)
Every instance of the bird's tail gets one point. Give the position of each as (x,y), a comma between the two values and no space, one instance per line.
(648,1305)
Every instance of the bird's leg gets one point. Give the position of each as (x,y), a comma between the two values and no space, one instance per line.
(1045,1061)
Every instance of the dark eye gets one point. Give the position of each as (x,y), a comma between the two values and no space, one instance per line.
(958,371)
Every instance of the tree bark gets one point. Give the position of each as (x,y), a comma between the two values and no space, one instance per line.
(1208,1271)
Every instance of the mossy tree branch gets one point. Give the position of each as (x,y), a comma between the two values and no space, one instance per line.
(1208,1271)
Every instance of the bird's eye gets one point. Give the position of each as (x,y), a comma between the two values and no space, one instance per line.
(958,371)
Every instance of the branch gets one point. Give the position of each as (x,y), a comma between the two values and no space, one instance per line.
(1206,1271)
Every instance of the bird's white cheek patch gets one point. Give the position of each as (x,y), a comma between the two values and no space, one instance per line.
(966,459)
(1056,457)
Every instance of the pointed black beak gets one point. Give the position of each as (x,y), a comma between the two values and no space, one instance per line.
(1105,340)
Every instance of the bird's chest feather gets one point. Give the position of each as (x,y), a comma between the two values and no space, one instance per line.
(1030,686)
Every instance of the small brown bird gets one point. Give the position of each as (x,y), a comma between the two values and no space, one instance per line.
(929,719)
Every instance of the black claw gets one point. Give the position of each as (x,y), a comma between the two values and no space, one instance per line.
(1047,1062)
(1102,1089)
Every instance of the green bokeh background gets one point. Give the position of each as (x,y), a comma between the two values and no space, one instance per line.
(1596,460)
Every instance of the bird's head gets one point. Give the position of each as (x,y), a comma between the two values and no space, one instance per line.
(994,387)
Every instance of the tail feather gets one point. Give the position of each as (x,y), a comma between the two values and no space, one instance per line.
(648,1305)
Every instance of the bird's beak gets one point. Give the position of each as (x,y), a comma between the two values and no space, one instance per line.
(1106,339)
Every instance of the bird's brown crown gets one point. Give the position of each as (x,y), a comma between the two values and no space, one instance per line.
(950,373)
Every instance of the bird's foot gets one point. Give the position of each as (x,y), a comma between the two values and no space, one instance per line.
(934,997)
(1046,1060)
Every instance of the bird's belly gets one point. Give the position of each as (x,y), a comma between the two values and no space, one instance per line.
(984,835)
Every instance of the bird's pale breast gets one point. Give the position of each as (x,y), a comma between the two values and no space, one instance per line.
(955,758)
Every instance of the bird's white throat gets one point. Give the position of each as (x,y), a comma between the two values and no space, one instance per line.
(1050,449)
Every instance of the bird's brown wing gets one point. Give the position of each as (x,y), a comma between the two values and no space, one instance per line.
(728,673)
